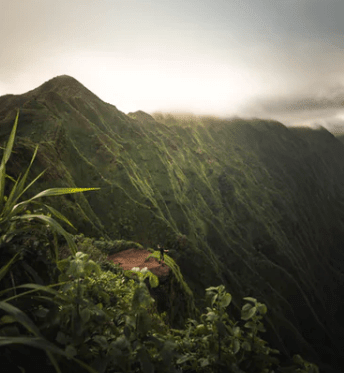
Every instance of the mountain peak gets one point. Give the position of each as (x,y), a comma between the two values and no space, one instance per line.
(65,85)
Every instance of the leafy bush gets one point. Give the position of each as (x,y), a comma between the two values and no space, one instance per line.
(18,226)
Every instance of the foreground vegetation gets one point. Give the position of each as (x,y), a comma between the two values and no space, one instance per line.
(64,312)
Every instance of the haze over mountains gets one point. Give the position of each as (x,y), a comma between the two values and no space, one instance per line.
(250,204)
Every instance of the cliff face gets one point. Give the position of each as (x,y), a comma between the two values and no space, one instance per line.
(249,204)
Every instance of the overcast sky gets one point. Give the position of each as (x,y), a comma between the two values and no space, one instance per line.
(280,59)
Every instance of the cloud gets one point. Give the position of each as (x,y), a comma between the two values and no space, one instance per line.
(324,99)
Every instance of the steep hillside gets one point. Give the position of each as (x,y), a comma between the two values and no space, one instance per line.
(252,205)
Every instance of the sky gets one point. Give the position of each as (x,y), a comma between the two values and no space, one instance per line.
(273,59)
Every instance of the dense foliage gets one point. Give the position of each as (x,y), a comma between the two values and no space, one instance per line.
(69,314)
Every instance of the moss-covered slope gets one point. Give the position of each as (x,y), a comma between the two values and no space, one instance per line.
(249,204)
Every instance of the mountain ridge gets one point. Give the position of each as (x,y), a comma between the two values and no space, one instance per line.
(245,203)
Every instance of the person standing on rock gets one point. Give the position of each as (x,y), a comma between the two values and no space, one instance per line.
(162,251)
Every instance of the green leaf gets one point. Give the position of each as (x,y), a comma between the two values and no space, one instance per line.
(251,299)
(247,307)
(61,191)
(32,182)
(250,325)
(141,297)
(35,288)
(8,319)
(5,157)
(225,301)
(121,343)
(9,204)
(21,318)
(153,280)
(63,264)
(214,299)
(246,315)
(4,269)
(184,359)
(18,189)
(221,328)
(236,346)
(261,328)
(102,341)
(85,315)
(9,145)
(262,309)
(236,331)
(71,351)
(54,225)
(91,266)
(59,215)
(297,359)
(246,346)
(211,316)
(204,362)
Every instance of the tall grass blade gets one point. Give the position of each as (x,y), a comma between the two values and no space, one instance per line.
(20,189)
(9,210)
(4,269)
(21,317)
(54,225)
(59,215)
(35,288)
(5,158)
(10,177)
(61,191)
(32,182)
(9,146)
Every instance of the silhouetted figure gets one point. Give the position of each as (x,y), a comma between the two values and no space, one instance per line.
(162,251)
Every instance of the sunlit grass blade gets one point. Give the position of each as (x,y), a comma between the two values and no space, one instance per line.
(49,208)
(54,225)
(20,207)
(20,189)
(10,208)
(2,183)
(5,158)
(9,146)
(10,177)
(4,269)
(61,191)
(32,182)
(35,287)
(8,203)
(48,192)
(58,215)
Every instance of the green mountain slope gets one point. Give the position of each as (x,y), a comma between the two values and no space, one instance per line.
(252,205)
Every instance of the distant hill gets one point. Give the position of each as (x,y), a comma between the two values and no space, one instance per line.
(250,204)
(340,138)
